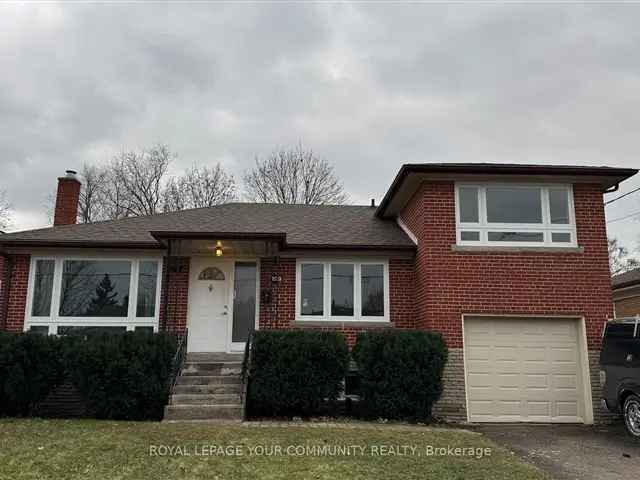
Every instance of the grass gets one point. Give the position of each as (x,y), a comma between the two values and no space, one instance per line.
(96,450)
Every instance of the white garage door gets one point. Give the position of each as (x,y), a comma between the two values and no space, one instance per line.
(523,370)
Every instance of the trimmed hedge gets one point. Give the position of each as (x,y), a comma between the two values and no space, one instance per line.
(123,376)
(401,372)
(30,366)
(295,372)
(119,376)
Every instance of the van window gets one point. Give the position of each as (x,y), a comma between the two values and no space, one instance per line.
(620,330)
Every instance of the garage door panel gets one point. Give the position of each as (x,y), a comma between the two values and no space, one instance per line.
(538,409)
(522,369)
(563,354)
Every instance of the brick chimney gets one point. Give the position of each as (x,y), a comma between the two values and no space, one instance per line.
(67,199)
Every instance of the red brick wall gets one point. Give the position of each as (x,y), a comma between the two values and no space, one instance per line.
(68,194)
(628,307)
(280,312)
(16,299)
(174,299)
(451,284)
(4,281)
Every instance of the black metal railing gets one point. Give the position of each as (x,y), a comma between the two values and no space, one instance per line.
(246,368)
(178,360)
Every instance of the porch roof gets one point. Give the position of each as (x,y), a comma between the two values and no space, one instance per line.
(292,226)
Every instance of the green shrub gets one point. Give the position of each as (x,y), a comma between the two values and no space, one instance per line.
(30,366)
(401,372)
(122,376)
(295,372)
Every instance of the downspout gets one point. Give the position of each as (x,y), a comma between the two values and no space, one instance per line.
(165,281)
(612,189)
(4,292)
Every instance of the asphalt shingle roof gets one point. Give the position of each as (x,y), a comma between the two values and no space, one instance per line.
(303,225)
(626,279)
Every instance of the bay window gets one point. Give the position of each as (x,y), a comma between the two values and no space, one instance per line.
(515,215)
(70,296)
(342,290)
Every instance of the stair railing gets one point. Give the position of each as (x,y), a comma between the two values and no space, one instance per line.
(246,368)
(178,360)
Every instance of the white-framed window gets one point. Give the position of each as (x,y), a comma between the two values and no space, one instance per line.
(77,294)
(506,214)
(342,290)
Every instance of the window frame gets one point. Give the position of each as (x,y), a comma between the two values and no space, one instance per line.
(357,287)
(546,227)
(55,320)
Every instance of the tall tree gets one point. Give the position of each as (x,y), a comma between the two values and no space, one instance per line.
(92,205)
(294,175)
(135,182)
(104,299)
(620,260)
(5,211)
(199,187)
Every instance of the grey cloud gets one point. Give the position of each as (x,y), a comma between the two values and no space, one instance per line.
(368,86)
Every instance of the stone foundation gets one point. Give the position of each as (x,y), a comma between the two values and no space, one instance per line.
(452,406)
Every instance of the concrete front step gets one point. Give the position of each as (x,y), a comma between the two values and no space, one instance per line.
(214,357)
(208,379)
(221,388)
(206,399)
(211,368)
(203,412)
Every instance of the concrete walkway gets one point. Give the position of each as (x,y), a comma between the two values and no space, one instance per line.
(572,451)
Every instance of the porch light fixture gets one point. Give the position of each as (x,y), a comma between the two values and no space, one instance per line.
(218,248)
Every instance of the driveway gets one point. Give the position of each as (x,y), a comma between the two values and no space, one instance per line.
(572,451)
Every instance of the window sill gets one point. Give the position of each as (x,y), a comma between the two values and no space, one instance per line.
(498,248)
(343,323)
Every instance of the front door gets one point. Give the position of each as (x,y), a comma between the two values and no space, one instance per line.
(209,304)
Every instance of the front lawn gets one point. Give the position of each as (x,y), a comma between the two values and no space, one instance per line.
(88,449)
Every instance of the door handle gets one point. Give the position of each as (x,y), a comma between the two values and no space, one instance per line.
(630,357)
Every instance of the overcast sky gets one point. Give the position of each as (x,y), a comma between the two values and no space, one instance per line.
(367,86)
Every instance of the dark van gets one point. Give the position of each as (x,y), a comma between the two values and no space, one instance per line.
(620,371)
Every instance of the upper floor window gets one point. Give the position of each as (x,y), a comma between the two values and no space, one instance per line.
(515,215)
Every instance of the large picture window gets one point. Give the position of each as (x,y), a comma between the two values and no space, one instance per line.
(110,294)
(95,288)
(515,215)
(342,290)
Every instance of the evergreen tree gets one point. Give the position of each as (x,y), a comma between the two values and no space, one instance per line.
(104,299)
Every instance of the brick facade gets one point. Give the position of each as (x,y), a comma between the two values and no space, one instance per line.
(277,306)
(452,283)
(174,296)
(627,302)
(15,292)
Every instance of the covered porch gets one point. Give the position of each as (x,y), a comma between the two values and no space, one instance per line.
(221,275)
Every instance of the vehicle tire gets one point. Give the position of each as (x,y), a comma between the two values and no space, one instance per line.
(631,415)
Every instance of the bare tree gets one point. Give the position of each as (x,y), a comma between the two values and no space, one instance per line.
(294,175)
(135,181)
(199,187)
(619,259)
(5,211)
(92,205)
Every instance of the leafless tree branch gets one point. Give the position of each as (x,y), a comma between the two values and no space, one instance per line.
(294,175)
(620,260)
(5,211)
(199,187)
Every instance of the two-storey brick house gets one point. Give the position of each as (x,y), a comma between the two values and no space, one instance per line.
(508,262)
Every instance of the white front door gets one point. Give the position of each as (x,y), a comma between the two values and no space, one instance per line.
(209,304)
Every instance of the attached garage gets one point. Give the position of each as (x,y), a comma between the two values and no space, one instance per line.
(521,369)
